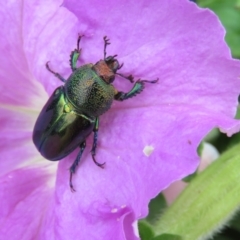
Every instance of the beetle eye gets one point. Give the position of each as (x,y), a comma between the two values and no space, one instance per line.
(115,66)
(109,59)
(111,79)
(112,63)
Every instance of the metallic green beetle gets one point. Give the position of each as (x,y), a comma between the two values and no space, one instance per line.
(72,112)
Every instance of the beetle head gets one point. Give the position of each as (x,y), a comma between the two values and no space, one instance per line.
(107,68)
(112,63)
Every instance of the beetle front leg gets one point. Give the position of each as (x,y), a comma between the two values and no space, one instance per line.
(94,147)
(75,164)
(137,88)
(75,54)
(55,73)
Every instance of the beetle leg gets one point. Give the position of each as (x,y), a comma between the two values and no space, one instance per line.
(94,147)
(137,88)
(55,73)
(75,54)
(75,164)
(130,77)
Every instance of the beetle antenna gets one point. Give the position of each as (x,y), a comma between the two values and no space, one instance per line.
(106,42)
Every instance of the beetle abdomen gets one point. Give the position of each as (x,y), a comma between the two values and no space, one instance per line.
(88,92)
(59,130)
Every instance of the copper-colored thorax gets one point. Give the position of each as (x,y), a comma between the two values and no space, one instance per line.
(104,71)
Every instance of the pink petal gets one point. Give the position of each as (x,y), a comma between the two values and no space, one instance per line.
(24,201)
(16,133)
(198,89)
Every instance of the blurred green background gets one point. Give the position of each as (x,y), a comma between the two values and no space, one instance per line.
(229,13)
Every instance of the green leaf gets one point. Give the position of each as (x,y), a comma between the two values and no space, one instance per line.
(156,206)
(167,237)
(235,223)
(200,149)
(209,201)
(145,230)
(190,177)
(238,113)
(229,13)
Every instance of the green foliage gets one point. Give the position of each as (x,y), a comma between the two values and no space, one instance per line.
(156,207)
(167,237)
(145,230)
(190,177)
(229,13)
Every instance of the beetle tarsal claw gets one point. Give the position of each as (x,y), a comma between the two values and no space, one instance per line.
(70,182)
(101,165)
(72,188)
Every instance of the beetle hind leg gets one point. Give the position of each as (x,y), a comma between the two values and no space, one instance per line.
(137,88)
(94,147)
(75,54)
(75,164)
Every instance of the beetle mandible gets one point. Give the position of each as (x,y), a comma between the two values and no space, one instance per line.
(72,112)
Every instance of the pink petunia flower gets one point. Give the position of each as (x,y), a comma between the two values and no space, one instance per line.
(147,142)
